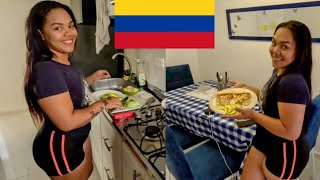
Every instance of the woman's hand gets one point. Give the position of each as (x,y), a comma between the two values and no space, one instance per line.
(244,114)
(98,75)
(237,84)
(112,103)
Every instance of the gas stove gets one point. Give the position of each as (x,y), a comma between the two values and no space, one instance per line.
(145,134)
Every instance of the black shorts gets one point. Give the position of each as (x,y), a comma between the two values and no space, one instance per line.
(284,158)
(58,152)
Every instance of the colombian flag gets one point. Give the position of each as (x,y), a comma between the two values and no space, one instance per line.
(164,24)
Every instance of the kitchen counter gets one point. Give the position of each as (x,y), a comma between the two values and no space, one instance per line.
(131,154)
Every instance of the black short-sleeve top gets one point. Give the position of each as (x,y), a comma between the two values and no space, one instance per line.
(51,78)
(289,88)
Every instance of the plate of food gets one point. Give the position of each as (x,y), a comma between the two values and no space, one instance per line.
(104,94)
(225,101)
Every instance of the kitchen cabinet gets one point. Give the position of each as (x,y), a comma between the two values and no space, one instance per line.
(111,150)
(96,143)
(106,148)
(132,167)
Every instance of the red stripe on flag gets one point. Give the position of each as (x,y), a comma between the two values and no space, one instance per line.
(164,40)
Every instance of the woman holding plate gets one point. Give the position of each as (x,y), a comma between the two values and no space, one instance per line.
(279,149)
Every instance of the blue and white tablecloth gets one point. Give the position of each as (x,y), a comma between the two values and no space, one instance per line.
(188,112)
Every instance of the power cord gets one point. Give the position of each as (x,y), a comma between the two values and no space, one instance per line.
(218,144)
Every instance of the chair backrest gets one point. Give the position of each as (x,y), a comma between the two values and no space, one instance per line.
(178,76)
(313,122)
(176,160)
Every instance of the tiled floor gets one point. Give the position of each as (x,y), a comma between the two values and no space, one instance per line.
(16,135)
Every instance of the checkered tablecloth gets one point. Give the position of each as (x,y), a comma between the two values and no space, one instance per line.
(187,111)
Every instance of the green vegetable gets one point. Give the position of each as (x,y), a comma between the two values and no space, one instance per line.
(230,108)
(130,91)
(110,95)
(132,104)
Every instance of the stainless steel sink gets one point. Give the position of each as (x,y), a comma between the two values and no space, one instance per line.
(112,83)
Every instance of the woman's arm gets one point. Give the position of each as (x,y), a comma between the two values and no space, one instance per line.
(60,110)
(100,74)
(289,125)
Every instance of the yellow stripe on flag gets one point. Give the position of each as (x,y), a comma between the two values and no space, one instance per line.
(164,7)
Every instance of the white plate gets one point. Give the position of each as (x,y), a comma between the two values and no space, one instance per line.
(163,103)
(96,97)
(97,94)
(144,95)
(213,100)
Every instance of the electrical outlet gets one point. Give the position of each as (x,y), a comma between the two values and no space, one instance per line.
(159,62)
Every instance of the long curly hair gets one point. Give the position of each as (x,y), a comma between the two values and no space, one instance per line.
(37,50)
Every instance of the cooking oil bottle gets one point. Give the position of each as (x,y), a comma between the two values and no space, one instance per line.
(141,76)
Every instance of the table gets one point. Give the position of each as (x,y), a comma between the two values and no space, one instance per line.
(187,111)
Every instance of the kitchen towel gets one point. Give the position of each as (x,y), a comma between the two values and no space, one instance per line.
(164,24)
(102,24)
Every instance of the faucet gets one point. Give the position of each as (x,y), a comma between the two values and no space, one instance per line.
(126,58)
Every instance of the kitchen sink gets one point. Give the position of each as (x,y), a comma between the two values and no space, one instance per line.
(112,84)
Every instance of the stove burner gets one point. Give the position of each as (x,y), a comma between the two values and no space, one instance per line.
(152,133)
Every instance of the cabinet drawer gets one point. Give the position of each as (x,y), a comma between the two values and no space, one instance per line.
(132,166)
(112,160)
(110,136)
(108,167)
(111,150)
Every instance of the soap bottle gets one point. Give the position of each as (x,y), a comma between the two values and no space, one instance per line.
(141,77)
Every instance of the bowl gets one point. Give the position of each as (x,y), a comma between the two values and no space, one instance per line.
(130,90)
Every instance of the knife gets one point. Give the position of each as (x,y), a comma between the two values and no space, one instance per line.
(123,101)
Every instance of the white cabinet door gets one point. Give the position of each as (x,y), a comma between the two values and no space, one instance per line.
(109,169)
(132,167)
(111,149)
(95,137)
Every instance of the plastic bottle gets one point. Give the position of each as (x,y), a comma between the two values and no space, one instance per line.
(141,77)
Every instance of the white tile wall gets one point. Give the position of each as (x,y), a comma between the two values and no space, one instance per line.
(154,64)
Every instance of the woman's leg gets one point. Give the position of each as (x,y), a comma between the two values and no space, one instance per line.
(253,165)
(84,170)
(269,174)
